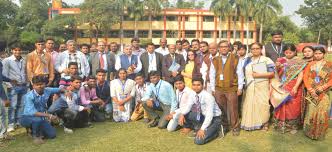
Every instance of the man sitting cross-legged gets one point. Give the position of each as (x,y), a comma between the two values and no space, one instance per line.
(141,89)
(34,114)
(201,114)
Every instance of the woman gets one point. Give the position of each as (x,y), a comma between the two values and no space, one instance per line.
(308,53)
(188,70)
(122,92)
(258,70)
(318,80)
(287,116)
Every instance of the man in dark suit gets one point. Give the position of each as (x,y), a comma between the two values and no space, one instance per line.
(201,54)
(172,59)
(102,60)
(151,61)
(273,50)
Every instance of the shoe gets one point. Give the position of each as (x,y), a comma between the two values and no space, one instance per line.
(107,116)
(38,140)
(67,130)
(146,120)
(236,132)
(293,132)
(192,134)
(153,123)
(10,128)
(6,136)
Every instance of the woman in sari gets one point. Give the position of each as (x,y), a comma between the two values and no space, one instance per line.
(318,80)
(256,108)
(189,68)
(122,92)
(287,116)
(308,53)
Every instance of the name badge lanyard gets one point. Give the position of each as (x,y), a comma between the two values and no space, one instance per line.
(157,94)
(179,98)
(222,66)
(317,79)
(277,51)
(198,108)
(123,85)
(284,78)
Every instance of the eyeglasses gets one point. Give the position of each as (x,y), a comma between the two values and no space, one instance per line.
(223,46)
(255,48)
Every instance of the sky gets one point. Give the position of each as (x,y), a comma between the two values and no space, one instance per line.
(289,8)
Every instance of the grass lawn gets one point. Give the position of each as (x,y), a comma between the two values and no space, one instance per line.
(135,136)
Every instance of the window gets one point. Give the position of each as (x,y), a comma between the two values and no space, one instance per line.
(251,34)
(128,34)
(250,19)
(114,34)
(186,18)
(144,18)
(236,18)
(237,34)
(143,34)
(190,34)
(157,34)
(171,18)
(157,18)
(172,34)
(208,18)
(223,34)
(207,34)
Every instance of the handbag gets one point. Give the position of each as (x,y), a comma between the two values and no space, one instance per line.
(278,96)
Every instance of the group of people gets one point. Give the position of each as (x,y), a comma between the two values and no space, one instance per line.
(203,89)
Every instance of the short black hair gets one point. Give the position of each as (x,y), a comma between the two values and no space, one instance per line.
(75,77)
(178,78)
(100,71)
(84,44)
(238,43)
(135,39)
(39,40)
(72,63)
(277,32)
(178,41)
(319,48)
(91,77)
(289,46)
(38,79)
(154,73)
(139,75)
(194,40)
(185,41)
(242,47)
(149,44)
(204,42)
(122,69)
(223,41)
(49,39)
(200,79)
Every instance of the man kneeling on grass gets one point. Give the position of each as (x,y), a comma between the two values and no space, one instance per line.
(34,114)
(202,114)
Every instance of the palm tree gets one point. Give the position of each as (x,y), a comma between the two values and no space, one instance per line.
(266,9)
(223,9)
(248,9)
(153,8)
(136,12)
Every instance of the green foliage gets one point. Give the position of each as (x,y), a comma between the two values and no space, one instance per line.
(28,39)
(60,27)
(189,4)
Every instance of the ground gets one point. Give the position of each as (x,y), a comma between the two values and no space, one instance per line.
(135,136)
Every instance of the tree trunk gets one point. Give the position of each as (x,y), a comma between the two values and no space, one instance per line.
(97,34)
(234,26)
(91,32)
(220,30)
(135,27)
(260,32)
(150,26)
(121,31)
(247,22)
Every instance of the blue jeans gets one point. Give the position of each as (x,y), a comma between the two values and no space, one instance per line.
(2,119)
(39,126)
(16,103)
(57,106)
(211,131)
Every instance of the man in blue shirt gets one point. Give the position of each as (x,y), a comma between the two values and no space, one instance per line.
(165,101)
(35,114)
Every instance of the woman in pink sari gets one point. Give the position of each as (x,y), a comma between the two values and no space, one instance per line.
(287,116)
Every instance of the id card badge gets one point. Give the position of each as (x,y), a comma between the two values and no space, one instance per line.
(221,77)
(198,117)
(317,79)
(123,96)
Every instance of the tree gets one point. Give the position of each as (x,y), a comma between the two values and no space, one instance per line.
(248,9)
(135,11)
(318,16)
(8,30)
(189,5)
(153,9)
(266,10)
(222,9)
(60,27)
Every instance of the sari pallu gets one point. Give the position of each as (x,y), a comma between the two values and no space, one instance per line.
(287,116)
(317,112)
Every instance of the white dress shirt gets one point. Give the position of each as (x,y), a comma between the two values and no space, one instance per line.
(183,52)
(118,64)
(152,62)
(209,108)
(63,60)
(163,51)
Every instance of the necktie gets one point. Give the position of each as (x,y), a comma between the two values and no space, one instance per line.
(198,108)
(101,60)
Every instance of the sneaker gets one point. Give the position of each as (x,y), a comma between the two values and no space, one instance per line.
(236,132)
(38,140)
(67,130)
(153,123)
(10,128)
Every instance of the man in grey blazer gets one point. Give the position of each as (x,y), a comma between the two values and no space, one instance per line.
(102,60)
(151,61)
(170,60)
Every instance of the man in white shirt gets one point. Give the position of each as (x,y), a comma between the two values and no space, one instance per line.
(184,95)
(163,47)
(129,61)
(207,68)
(137,50)
(201,114)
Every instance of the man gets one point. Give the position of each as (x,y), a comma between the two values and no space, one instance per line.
(184,95)
(3,102)
(151,61)
(114,49)
(103,90)
(65,79)
(128,61)
(229,79)
(49,48)
(93,47)
(40,63)
(163,47)
(164,100)
(137,50)
(201,54)
(236,45)
(35,114)
(102,60)
(141,88)
(72,55)
(173,64)
(85,50)
(185,47)
(62,47)
(14,68)
(207,70)
(273,50)
(195,45)
(201,114)
(178,45)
